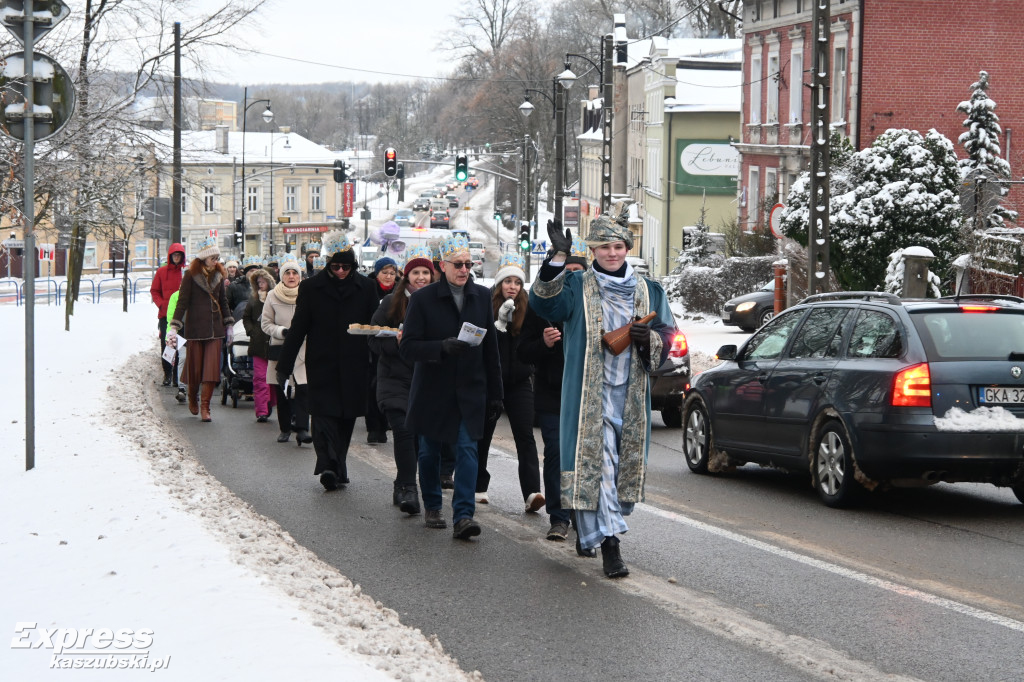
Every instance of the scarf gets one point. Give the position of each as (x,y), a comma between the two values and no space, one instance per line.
(286,295)
(262,295)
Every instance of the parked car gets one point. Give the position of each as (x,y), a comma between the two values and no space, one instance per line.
(405,217)
(669,382)
(477,250)
(750,311)
(866,391)
(439,219)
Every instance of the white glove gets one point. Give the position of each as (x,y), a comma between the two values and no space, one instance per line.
(507,309)
(229,335)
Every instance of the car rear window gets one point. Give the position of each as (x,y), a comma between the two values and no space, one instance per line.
(957,335)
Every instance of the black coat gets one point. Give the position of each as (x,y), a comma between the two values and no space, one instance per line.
(337,363)
(238,294)
(514,368)
(447,390)
(548,363)
(394,373)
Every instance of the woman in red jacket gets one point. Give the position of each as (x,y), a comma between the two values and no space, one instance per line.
(166,281)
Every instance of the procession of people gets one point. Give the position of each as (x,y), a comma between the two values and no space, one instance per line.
(453,359)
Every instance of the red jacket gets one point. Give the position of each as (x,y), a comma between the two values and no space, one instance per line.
(167,280)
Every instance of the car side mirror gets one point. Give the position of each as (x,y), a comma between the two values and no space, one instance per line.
(726,352)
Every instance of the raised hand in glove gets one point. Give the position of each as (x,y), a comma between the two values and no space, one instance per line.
(452,347)
(640,335)
(505,313)
(561,242)
(493,410)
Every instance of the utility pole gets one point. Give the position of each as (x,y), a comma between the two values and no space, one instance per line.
(818,227)
(606,104)
(176,186)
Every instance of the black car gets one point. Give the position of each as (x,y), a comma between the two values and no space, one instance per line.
(750,311)
(439,219)
(422,203)
(867,391)
(669,382)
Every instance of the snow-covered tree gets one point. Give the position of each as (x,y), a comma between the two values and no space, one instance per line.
(901,191)
(981,142)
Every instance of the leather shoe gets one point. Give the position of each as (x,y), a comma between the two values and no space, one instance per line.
(448,483)
(407,499)
(614,567)
(329,480)
(302,436)
(465,529)
(284,436)
(433,518)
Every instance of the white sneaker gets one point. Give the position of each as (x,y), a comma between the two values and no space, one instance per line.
(534,502)
(481,498)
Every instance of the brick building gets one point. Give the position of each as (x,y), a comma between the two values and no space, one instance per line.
(894,64)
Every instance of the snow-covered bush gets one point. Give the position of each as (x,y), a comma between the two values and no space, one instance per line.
(706,289)
(981,142)
(894,273)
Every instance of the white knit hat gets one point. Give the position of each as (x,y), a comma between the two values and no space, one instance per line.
(510,265)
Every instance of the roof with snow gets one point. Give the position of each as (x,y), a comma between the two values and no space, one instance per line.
(200,146)
(707,89)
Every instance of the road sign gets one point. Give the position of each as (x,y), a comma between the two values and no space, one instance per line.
(775,220)
(46,15)
(14,243)
(47,251)
(54,96)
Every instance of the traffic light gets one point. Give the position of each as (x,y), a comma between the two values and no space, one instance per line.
(524,239)
(461,168)
(401,171)
(390,162)
(238,230)
(339,171)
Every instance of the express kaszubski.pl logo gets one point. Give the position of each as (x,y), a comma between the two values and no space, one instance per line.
(123,648)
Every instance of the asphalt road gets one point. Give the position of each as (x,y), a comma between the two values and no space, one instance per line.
(744,576)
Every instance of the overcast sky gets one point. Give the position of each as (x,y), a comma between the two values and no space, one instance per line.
(374,40)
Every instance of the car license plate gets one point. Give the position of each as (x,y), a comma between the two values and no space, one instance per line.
(1001,395)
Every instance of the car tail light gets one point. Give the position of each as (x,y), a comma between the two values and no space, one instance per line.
(912,387)
(979,308)
(679,348)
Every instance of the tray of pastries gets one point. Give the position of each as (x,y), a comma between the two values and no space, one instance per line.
(371,330)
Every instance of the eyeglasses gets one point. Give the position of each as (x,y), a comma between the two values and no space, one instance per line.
(341,266)
(459,265)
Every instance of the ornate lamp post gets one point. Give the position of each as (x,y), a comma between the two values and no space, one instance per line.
(268,116)
(567,78)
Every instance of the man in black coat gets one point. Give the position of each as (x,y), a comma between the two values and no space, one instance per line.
(337,363)
(453,382)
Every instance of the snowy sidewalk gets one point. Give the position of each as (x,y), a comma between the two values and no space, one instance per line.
(117,528)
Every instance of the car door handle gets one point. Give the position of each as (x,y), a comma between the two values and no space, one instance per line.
(819,378)
(762,378)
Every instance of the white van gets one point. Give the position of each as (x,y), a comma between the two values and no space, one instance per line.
(438,204)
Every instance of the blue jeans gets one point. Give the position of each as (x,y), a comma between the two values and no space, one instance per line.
(548,423)
(463,499)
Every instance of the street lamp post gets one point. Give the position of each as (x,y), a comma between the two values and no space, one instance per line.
(268,116)
(567,78)
(270,216)
(558,103)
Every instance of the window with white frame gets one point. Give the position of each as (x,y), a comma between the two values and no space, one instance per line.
(316,198)
(209,203)
(653,184)
(771,183)
(773,88)
(753,197)
(184,202)
(796,85)
(755,90)
(252,199)
(839,84)
(291,199)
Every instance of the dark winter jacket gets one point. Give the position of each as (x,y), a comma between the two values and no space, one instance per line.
(238,293)
(202,310)
(548,363)
(446,390)
(514,370)
(337,363)
(394,373)
(167,280)
(259,342)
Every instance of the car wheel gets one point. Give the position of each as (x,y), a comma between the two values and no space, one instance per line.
(697,437)
(832,467)
(765,315)
(1018,490)
(672,415)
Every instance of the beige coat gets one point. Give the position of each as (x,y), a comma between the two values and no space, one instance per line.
(277,317)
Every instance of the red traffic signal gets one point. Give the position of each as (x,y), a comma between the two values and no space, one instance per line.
(390,162)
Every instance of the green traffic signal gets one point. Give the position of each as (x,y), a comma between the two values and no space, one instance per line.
(461,167)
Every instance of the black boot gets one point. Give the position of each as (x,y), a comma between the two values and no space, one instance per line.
(407,498)
(614,567)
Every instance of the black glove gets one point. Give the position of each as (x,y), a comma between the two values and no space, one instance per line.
(452,347)
(284,332)
(560,242)
(493,410)
(640,335)
(282,378)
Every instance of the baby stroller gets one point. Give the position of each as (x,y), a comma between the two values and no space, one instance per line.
(237,368)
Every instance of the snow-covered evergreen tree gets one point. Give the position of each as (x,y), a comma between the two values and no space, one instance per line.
(696,242)
(981,142)
(901,191)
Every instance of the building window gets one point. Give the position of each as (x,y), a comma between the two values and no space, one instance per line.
(753,198)
(755,90)
(839,84)
(89,257)
(291,199)
(775,9)
(773,88)
(252,199)
(184,202)
(796,86)
(771,184)
(316,198)
(799,6)
(208,202)
(653,185)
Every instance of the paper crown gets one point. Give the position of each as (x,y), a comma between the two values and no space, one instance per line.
(335,242)
(579,247)
(319,262)
(252,262)
(204,244)
(512,259)
(289,261)
(311,247)
(418,252)
(454,244)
